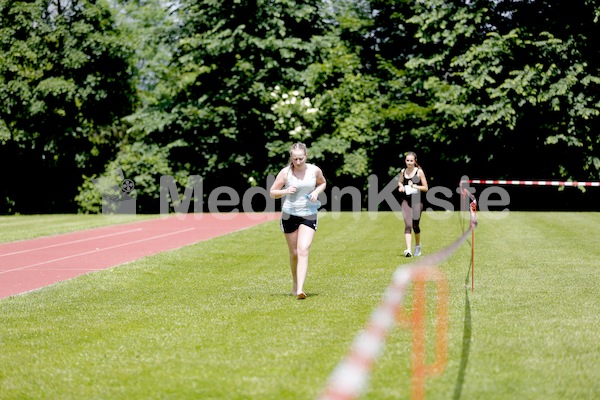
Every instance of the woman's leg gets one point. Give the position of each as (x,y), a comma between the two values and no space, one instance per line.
(292,242)
(408,240)
(407,213)
(305,238)
(418,209)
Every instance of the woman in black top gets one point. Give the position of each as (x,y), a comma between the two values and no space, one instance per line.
(411,183)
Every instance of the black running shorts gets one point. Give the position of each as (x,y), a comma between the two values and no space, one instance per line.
(291,223)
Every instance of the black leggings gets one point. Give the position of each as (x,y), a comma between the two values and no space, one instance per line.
(411,216)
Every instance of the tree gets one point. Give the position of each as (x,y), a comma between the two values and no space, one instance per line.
(504,85)
(64,81)
(346,122)
(229,56)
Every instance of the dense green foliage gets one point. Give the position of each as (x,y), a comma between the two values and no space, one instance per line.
(64,85)
(484,88)
(512,80)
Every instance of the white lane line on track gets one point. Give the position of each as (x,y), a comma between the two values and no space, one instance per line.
(70,242)
(98,250)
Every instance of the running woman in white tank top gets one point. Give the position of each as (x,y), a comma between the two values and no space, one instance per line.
(300,183)
(298,203)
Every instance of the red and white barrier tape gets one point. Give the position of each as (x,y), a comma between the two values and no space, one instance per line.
(350,377)
(532,183)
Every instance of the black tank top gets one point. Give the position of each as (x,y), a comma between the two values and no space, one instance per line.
(415,180)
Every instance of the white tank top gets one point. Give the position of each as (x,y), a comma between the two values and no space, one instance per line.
(297,203)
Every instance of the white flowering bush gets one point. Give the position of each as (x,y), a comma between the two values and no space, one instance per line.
(295,114)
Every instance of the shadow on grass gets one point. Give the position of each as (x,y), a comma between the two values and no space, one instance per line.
(291,296)
(466,344)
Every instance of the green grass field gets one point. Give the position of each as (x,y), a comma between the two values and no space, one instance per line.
(215,320)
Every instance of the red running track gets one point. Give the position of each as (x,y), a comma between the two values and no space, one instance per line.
(31,264)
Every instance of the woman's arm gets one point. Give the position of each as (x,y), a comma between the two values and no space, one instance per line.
(423,186)
(277,191)
(321,184)
(400,184)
